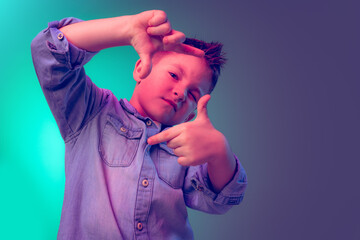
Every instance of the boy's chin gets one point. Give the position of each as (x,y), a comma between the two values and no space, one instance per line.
(166,118)
(166,122)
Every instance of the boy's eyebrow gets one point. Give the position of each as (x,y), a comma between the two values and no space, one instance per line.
(179,67)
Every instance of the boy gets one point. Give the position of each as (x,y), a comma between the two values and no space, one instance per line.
(130,172)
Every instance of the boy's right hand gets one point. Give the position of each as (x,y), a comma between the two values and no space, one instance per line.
(152,32)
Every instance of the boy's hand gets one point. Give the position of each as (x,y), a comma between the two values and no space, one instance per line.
(198,142)
(193,142)
(152,32)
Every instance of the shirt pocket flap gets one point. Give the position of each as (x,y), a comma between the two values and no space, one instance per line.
(118,143)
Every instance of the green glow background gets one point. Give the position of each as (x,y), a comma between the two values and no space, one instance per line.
(287,101)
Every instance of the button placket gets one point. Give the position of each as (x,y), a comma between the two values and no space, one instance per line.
(139,226)
(144,193)
(145,182)
(60,36)
(148,122)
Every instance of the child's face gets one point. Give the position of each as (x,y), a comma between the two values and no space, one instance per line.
(169,94)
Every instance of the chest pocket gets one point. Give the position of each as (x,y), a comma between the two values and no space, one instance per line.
(118,144)
(168,168)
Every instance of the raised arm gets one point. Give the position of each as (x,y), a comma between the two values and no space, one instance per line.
(59,60)
(147,32)
(198,142)
(215,179)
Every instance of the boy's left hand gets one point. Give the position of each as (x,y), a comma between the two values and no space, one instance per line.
(195,142)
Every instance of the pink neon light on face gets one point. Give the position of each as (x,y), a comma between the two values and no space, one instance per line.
(169,94)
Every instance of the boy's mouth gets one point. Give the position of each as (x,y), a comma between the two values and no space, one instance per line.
(174,105)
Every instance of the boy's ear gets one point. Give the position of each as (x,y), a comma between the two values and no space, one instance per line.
(190,117)
(137,70)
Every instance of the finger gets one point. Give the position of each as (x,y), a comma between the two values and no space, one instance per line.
(174,143)
(184,161)
(174,38)
(159,17)
(190,50)
(146,65)
(202,107)
(180,152)
(162,29)
(165,136)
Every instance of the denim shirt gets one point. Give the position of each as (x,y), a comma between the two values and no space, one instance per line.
(117,186)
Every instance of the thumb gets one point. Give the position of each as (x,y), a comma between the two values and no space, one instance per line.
(145,66)
(202,107)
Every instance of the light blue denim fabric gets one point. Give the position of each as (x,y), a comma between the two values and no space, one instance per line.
(117,186)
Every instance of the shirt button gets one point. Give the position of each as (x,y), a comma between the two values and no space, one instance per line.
(148,122)
(145,182)
(139,226)
(123,129)
(60,36)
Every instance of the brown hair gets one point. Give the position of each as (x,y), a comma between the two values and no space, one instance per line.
(214,57)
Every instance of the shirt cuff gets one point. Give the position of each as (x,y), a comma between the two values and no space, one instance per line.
(64,51)
(231,194)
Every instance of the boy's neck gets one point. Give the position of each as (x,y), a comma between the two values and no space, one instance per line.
(131,102)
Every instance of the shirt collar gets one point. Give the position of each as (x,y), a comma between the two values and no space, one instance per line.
(132,110)
(128,107)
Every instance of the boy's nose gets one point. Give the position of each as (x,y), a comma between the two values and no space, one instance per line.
(179,96)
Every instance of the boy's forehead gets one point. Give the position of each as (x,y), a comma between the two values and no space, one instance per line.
(180,59)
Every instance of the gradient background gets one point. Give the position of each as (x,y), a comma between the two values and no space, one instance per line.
(288,102)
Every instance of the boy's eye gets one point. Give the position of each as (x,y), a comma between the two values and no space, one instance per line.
(193,96)
(173,75)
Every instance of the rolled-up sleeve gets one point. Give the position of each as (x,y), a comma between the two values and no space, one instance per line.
(199,195)
(59,65)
